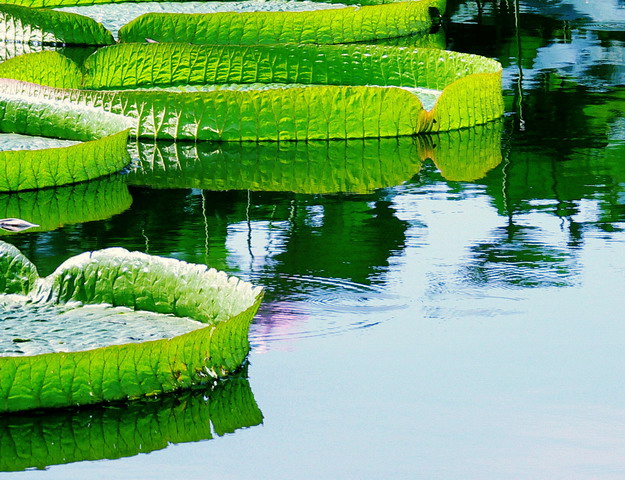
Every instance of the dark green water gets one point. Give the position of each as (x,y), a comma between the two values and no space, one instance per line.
(457,319)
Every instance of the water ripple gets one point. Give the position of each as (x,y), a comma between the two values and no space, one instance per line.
(317,307)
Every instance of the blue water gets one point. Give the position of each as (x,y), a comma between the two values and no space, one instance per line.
(438,328)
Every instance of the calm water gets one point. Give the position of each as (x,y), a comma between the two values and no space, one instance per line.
(457,319)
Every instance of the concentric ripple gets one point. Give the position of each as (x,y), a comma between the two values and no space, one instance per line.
(300,306)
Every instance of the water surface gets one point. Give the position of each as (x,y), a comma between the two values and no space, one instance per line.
(447,322)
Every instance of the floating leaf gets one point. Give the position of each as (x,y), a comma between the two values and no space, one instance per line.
(268,92)
(328,26)
(115,15)
(435,39)
(45,68)
(11,49)
(103,151)
(17,273)
(119,278)
(29,25)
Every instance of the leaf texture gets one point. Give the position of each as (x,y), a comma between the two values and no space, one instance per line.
(17,274)
(103,152)
(21,24)
(121,278)
(45,68)
(334,26)
(317,92)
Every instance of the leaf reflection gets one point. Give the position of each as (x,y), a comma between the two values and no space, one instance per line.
(52,208)
(316,167)
(41,439)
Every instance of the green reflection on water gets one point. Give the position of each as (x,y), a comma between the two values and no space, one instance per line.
(51,208)
(565,137)
(316,167)
(41,439)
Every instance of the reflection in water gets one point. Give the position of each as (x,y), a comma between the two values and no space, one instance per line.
(564,164)
(316,167)
(351,240)
(465,155)
(313,254)
(318,256)
(357,166)
(597,11)
(316,306)
(504,285)
(41,439)
(51,208)
(564,88)
(520,256)
(574,39)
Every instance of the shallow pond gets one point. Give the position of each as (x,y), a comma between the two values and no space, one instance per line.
(442,328)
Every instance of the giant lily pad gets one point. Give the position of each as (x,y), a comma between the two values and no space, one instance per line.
(103,136)
(317,167)
(41,439)
(241,23)
(51,208)
(106,320)
(9,50)
(29,25)
(327,26)
(432,39)
(276,92)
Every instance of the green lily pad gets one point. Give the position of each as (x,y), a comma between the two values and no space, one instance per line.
(72,327)
(15,49)
(41,439)
(114,16)
(45,68)
(20,24)
(432,39)
(77,53)
(240,23)
(327,26)
(358,91)
(108,287)
(102,151)
(52,208)
(15,141)
(19,275)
